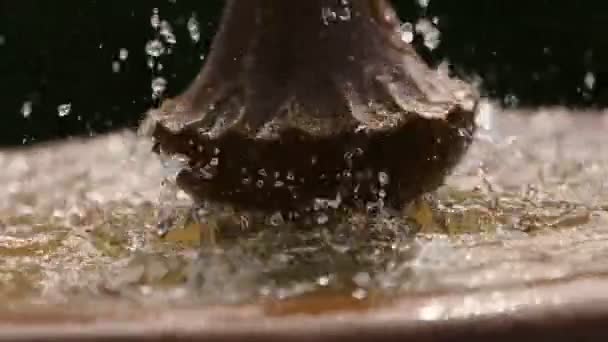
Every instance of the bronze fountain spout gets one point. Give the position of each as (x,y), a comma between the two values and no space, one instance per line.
(301,100)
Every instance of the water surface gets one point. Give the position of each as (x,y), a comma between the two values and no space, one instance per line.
(528,206)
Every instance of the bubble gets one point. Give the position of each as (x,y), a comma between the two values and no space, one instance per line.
(64,109)
(276,219)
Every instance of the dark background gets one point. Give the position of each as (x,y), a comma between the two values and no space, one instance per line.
(62,51)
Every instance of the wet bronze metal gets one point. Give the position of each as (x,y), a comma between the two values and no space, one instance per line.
(301,100)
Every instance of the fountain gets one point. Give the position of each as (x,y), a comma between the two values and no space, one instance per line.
(314,100)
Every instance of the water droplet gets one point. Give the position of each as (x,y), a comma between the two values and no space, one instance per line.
(155,48)
(485,114)
(407,32)
(362,279)
(589,80)
(244,222)
(115,67)
(322,218)
(172,165)
(155,19)
(26,109)
(159,85)
(432,36)
(383,178)
(290,176)
(423,3)
(207,172)
(359,294)
(342,13)
(511,100)
(64,109)
(324,203)
(166,31)
(382,193)
(328,15)
(194,29)
(323,281)
(123,54)
(374,207)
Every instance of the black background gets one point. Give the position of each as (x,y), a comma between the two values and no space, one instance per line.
(56,52)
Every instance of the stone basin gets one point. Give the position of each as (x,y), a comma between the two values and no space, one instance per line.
(513,246)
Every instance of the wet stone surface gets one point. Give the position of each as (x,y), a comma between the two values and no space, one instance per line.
(528,205)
